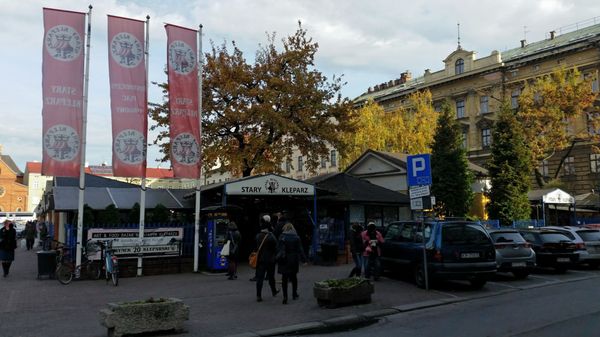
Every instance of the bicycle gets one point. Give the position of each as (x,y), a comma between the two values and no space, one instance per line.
(66,269)
(110,262)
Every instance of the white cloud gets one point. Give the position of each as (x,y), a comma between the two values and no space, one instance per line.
(368,41)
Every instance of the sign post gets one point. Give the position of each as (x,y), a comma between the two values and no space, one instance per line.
(419,182)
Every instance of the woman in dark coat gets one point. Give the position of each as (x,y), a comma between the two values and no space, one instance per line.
(265,261)
(289,255)
(8,244)
(233,234)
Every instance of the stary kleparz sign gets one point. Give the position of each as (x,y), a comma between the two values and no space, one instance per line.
(269,185)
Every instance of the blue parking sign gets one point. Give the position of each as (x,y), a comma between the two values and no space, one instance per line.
(418,169)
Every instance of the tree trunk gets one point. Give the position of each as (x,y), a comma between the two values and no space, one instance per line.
(539,178)
(562,160)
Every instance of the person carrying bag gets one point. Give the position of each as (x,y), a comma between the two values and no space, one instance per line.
(265,261)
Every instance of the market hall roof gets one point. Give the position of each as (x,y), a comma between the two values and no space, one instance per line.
(344,187)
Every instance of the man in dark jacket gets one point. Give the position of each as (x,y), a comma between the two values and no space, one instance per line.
(8,244)
(356,247)
(265,262)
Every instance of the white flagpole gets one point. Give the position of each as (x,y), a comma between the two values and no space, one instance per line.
(199,182)
(143,187)
(86,77)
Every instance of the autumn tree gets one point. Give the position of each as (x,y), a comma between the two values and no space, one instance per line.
(409,129)
(556,112)
(509,169)
(451,177)
(256,114)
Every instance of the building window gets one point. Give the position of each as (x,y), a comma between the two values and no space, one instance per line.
(36,184)
(323,162)
(460,108)
(544,168)
(593,128)
(459,67)
(437,107)
(484,104)
(595,163)
(288,166)
(300,164)
(595,85)
(514,98)
(486,137)
(333,158)
(465,136)
(569,166)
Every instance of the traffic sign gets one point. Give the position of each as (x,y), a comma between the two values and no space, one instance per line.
(419,191)
(418,169)
(416,204)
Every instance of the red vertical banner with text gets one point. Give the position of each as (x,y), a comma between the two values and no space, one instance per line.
(127,73)
(62,92)
(184,114)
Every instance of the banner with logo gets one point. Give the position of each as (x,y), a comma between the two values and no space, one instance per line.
(127,74)
(62,92)
(184,113)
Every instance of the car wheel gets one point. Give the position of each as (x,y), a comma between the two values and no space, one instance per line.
(420,276)
(478,283)
(520,274)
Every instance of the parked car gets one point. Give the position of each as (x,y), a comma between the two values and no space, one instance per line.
(455,250)
(587,241)
(513,253)
(552,248)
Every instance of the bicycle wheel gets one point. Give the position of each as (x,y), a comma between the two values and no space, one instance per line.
(93,270)
(64,274)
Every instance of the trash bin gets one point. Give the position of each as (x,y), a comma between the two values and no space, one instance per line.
(329,253)
(46,263)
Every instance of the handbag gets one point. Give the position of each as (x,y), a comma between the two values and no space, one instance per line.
(253,258)
(225,249)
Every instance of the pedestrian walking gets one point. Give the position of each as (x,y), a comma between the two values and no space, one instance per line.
(235,238)
(30,235)
(8,244)
(372,240)
(265,261)
(356,248)
(265,222)
(289,255)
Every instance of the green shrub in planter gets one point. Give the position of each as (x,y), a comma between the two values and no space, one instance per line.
(337,292)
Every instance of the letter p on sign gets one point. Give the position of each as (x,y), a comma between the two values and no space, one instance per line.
(419,169)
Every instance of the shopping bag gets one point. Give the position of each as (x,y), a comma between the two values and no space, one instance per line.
(225,250)
(252,259)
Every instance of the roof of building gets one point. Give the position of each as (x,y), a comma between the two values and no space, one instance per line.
(347,188)
(92,181)
(11,164)
(104,170)
(33,167)
(507,56)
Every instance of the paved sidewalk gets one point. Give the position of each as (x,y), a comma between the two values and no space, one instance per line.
(219,307)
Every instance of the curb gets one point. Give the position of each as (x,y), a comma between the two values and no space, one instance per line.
(357,319)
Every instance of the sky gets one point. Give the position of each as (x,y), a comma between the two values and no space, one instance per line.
(366,42)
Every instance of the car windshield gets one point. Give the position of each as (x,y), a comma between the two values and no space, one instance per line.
(500,237)
(456,234)
(589,235)
(550,237)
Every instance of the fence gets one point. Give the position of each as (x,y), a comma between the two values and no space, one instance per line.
(187,244)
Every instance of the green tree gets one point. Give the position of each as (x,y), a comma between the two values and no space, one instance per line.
(509,169)
(557,112)
(88,215)
(160,214)
(409,129)
(451,176)
(134,214)
(255,115)
(109,216)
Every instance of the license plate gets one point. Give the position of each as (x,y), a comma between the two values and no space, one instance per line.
(469,255)
(519,264)
(563,259)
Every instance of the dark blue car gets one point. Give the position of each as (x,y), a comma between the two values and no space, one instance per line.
(455,250)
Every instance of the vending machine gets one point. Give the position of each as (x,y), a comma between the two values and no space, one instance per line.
(216,232)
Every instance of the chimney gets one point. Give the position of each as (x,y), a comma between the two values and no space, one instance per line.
(523,43)
(405,76)
(552,33)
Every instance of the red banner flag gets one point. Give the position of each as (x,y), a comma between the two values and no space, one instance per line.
(184,116)
(127,73)
(62,90)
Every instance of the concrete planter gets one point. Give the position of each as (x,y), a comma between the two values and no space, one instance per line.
(335,293)
(144,316)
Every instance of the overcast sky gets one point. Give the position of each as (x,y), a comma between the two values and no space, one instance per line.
(368,42)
